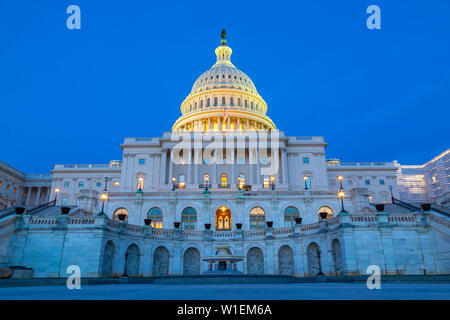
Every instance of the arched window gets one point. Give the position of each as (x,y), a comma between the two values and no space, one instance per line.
(241,181)
(215,102)
(239,102)
(224,180)
(120,211)
(290,213)
(189,219)
(246,103)
(181,181)
(157,217)
(327,210)
(231,102)
(208,102)
(201,103)
(195,105)
(223,101)
(257,218)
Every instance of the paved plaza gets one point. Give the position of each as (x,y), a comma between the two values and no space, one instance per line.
(313,291)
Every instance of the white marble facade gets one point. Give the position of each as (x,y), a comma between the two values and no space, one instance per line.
(219,189)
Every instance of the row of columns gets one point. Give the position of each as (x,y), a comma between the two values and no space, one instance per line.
(196,157)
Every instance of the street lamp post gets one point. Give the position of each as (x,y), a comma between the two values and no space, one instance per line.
(392,195)
(320,273)
(341,196)
(340,181)
(56,195)
(173,183)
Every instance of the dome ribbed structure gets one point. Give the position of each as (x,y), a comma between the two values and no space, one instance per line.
(223,99)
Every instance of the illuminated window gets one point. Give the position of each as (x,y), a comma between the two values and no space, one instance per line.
(140,183)
(8,186)
(1,183)
(15,189)
(223,180)
(181,181)
(116,184)
(206,179)
(120,211)
(257,218)
(328,211)
(266,182)
(141,161)
(307,182)
(290,213)
(305,160)
(157,217)
(189,219)
(223,219)
(241,181)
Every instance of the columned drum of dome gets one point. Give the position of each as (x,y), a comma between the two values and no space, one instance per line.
(223,99)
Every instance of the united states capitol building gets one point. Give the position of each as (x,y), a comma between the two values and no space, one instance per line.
(225,192)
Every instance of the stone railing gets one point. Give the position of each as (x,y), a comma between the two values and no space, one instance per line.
(199,194)
(364,218)
(402,218)
(441,221)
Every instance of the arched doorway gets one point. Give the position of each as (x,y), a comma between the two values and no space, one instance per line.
(191,261)
(337,258)
(313,259)
(223,219)
(108,258)
(132,260)
(160,262)
(255,261)
(286,261)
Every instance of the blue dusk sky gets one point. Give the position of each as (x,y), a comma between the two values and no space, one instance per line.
(72,96)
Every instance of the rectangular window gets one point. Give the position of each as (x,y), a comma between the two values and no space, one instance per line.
(80,184)
(308,182)
(116,184)
(367,182)
(64,201)
(141,161)
(66,184)
(305,160)
(382,182)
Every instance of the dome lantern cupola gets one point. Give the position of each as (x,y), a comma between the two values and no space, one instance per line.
(223,99)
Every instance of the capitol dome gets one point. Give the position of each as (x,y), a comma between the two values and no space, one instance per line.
(223,99)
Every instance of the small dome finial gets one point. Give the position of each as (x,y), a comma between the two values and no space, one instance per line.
(223,42)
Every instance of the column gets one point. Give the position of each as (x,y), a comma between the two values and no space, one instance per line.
(258,169)
(27,201)
(233,167)
(38,195)
(238,124)
(170,165)
(219,122)
(246,125)
(209,124)
(250,161)
(162,177)
(214,177)
(196,160)
(283,165)
(228,123)
(189,164)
